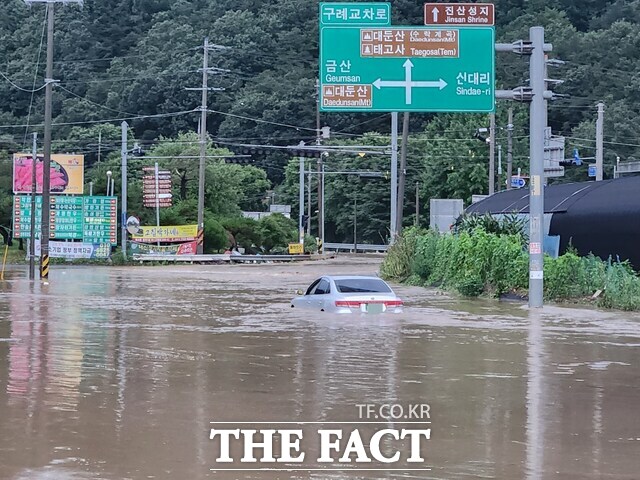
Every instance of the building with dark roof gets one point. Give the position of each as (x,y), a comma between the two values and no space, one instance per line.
(598,217)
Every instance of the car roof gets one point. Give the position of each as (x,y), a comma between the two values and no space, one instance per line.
(352,277)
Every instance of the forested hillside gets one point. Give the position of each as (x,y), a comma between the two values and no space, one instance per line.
(135,59)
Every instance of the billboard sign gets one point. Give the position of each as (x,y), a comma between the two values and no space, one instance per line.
(91,219)
(67,173)
(174,233)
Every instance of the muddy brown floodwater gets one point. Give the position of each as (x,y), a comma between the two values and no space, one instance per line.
(116,373)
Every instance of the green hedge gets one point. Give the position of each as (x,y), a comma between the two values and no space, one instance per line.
(474,262)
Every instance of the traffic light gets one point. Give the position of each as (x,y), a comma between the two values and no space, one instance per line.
(305,221)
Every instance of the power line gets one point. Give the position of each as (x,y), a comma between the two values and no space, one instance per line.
(19,87)
(35,76)
(107,120)
(94,103)
(259,120)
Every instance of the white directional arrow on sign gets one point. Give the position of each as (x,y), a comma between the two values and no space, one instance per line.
(408,84)
(435,14)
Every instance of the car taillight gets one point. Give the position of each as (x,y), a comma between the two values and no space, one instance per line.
(347,303)
(393,303)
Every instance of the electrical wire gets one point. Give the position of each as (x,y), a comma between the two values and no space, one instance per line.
(94,103)
(107,120)
(19,87)
(259,120)
(35,76)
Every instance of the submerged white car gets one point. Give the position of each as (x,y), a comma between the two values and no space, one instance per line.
(349,294)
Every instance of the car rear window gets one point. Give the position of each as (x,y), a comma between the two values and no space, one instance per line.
(362,285)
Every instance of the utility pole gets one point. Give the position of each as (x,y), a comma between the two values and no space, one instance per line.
(599,142)
(203,132)
(322,210)
(320,168)
(46,164)
(32,237)
(301,199)
(403,172)
(203,142)
(499,166)
(492,154)
(123,188)
(394,176)
(309,199)
(355,222)
(417,222)
(536,94)
(510,148)
(536,153)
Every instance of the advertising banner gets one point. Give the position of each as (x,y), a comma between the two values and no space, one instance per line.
(174,233)
(67,173)
(187,248)
(73,250)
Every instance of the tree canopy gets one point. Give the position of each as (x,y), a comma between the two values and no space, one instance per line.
(135,60)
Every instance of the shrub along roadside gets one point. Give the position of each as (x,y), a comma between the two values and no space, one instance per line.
(474,262)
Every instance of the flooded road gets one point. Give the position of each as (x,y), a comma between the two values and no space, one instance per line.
(116,373)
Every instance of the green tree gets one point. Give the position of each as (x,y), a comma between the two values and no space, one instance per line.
(276,230)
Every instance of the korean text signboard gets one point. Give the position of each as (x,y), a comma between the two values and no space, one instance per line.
(422,69)
(91,219)
(462,14)
(355,13)
(67,173)
(172,233)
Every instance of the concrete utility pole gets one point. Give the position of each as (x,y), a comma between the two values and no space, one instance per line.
(499,167)
(32,236)
(536,153)
(46,164)
(301,199)
(510,148)
(403,172)
(394,176)
(320,168)
(417,222)
(203,141)
(203,130)
(322,210)
(599,142)
(309,199)
(123,188)
(492,154)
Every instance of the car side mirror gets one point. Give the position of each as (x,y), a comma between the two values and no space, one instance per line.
(299,292)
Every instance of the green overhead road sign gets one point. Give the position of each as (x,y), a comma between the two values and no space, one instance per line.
(344,13)
(416,69)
